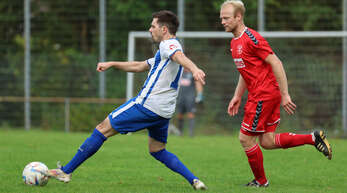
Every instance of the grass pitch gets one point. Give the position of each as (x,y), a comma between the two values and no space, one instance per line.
(123,165)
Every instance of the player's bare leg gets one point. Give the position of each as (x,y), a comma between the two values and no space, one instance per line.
(255,160)
(91,145)
(106,129)
(158,151)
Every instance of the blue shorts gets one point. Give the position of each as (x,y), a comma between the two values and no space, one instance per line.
(132,117)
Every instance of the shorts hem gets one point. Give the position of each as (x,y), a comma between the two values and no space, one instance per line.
(251,133)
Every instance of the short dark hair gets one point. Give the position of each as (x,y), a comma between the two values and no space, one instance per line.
(168,19)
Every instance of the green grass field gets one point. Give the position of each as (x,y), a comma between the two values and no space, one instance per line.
(123,165)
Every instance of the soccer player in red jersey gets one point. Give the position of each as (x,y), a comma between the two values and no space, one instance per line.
(263,75)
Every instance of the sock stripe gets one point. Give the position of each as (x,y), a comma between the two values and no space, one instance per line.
(278,140)
(255,160)
(252,149)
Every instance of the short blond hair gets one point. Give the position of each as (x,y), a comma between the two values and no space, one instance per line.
(238,5)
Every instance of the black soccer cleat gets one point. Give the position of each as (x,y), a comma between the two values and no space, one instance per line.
(321,143)
(255,183)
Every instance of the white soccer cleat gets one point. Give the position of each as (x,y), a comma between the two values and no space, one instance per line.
(59,174)
(199,185)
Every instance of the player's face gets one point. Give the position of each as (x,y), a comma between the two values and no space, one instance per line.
(228,18)
(156,31)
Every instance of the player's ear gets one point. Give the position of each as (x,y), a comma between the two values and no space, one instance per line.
(238,15)
(165,29)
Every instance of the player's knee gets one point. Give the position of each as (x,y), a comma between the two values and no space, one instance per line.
(180,116)
(268,144)
(190,115)
(245,142)
(265,144)
(267,141)
(105,128)
(100,127)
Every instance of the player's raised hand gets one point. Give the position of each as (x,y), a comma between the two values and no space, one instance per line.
(199,75)
(288,105)
(102,66)
(234,106)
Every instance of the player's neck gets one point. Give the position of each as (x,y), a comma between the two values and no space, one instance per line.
(239,30)
(168,36)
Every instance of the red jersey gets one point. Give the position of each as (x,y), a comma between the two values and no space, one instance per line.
(249,51)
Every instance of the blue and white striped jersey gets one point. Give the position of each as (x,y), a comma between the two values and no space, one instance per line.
(160,89)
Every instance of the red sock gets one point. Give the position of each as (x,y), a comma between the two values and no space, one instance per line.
(287,140)
(255,160)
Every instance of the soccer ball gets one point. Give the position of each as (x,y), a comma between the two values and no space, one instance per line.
(33,174)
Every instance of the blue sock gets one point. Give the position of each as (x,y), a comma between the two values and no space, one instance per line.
(172,162)
(87,149)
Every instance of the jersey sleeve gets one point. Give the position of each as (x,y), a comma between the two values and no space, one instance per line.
(169,47)
(150,62)
(262,49)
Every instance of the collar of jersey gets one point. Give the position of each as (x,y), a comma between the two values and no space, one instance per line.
(241,34)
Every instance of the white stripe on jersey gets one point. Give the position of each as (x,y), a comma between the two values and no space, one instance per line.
(126,107)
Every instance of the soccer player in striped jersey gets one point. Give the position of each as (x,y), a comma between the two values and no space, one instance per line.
(263,75)
(152,108)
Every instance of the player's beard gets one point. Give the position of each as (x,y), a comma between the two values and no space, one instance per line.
(156,39)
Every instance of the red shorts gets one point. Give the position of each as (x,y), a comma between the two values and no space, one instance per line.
(261,117)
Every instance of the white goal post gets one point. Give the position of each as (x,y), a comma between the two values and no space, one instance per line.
(280,34)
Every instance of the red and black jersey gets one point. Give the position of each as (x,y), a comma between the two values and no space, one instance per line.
(249,51)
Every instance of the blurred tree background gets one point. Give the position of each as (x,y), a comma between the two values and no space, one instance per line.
(65,51)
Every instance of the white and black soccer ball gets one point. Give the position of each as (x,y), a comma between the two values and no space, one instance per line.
(33,174)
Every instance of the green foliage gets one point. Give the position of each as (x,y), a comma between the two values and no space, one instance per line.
(65,73)
(314,79)
(316,87)
(308,15)
(85,117)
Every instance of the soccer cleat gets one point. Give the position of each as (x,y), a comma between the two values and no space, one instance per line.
(199,185)
(322,144)
(59,174)
(255,183)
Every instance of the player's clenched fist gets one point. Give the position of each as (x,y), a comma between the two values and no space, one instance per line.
(102,66)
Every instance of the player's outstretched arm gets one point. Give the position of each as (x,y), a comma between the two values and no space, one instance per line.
(281,77)
(182,59)
(125,66)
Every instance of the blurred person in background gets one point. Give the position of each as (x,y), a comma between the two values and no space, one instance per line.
(190,93)
(263,75)
(152,108)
